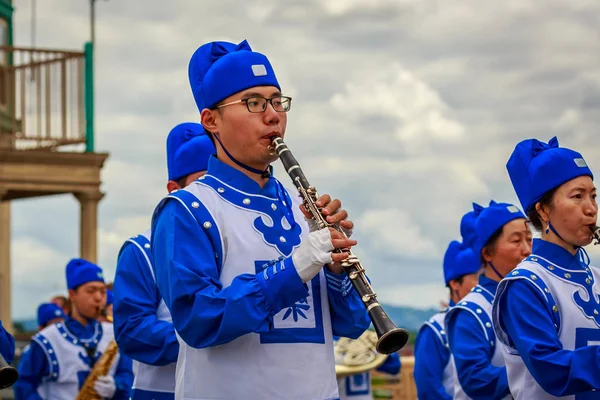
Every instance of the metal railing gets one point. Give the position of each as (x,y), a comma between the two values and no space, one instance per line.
(44,98)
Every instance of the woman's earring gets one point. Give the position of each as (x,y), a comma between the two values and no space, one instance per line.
(547,227)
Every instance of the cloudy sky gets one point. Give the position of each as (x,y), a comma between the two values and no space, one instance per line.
(407,110)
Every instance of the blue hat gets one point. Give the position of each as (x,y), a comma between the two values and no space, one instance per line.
(459,260)
(491,219)
(467,225)
(109,297)
(80,271)
(47,312)
(218,70)
(535,168)
(188,150)
(199,65)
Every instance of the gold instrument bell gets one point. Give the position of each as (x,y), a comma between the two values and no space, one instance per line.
(355,356)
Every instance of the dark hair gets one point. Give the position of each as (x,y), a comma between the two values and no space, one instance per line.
(181,181)
(491,244)
(533,215)
(458,280)
(66,303)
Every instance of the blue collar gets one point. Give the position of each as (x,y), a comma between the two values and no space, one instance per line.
(451,303)
(489,284)
(239,180)
(557,255)
(80,331)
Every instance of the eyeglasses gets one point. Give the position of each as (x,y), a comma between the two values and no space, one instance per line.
(259,104)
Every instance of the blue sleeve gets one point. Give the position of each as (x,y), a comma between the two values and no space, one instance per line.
(123,378)
(391,364)
(559,372)
(349,317)
(32,368)
(431,358)
(204,312)
(7,345)
(472,357)
(138,331)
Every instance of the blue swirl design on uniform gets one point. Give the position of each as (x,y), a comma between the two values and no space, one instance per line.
(584,279)
(284,239)
(276,235)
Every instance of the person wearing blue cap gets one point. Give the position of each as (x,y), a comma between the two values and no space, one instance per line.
(61,356)
(143,326)
(7,345)
(551,345)
(502,240)
(434,370)
(238,263)
(48,314)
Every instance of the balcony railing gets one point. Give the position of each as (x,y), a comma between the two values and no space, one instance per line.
(45,101)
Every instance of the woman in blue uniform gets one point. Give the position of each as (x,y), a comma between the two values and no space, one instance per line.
(502,241)
(551,345)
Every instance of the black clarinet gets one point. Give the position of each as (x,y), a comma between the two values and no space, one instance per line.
(595,233)
(8,374)
(390,337)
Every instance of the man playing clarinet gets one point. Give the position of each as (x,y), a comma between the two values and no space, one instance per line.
(240,266)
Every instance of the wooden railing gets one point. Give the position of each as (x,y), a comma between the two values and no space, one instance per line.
(396,387)
(42,98)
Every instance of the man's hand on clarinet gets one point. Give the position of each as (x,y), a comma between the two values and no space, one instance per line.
(333,213)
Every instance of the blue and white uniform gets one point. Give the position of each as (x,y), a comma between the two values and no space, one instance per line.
(222,251)
(481,373)
(59,360)
(358,387)
(434,370)
(480,369)
(552,343)
(7,345)
(143,326)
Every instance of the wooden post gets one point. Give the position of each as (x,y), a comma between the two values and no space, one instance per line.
(5,276)
(88,226)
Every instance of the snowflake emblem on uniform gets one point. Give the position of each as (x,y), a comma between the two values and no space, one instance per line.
(297,310)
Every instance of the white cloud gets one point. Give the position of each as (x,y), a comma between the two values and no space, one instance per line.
(408,108)
(394,231)
(38,273)
(422,296)
(417,111)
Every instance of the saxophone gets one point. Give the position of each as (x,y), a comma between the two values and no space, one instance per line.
(101,368)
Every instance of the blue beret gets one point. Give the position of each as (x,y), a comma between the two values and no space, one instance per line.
(109,297)
(467,225)
(491,219)
(218,70)
(535,168)
(459,260)
(188,150)
(80,271)
(47,312)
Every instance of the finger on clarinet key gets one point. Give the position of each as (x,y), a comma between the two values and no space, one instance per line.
(339,257)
